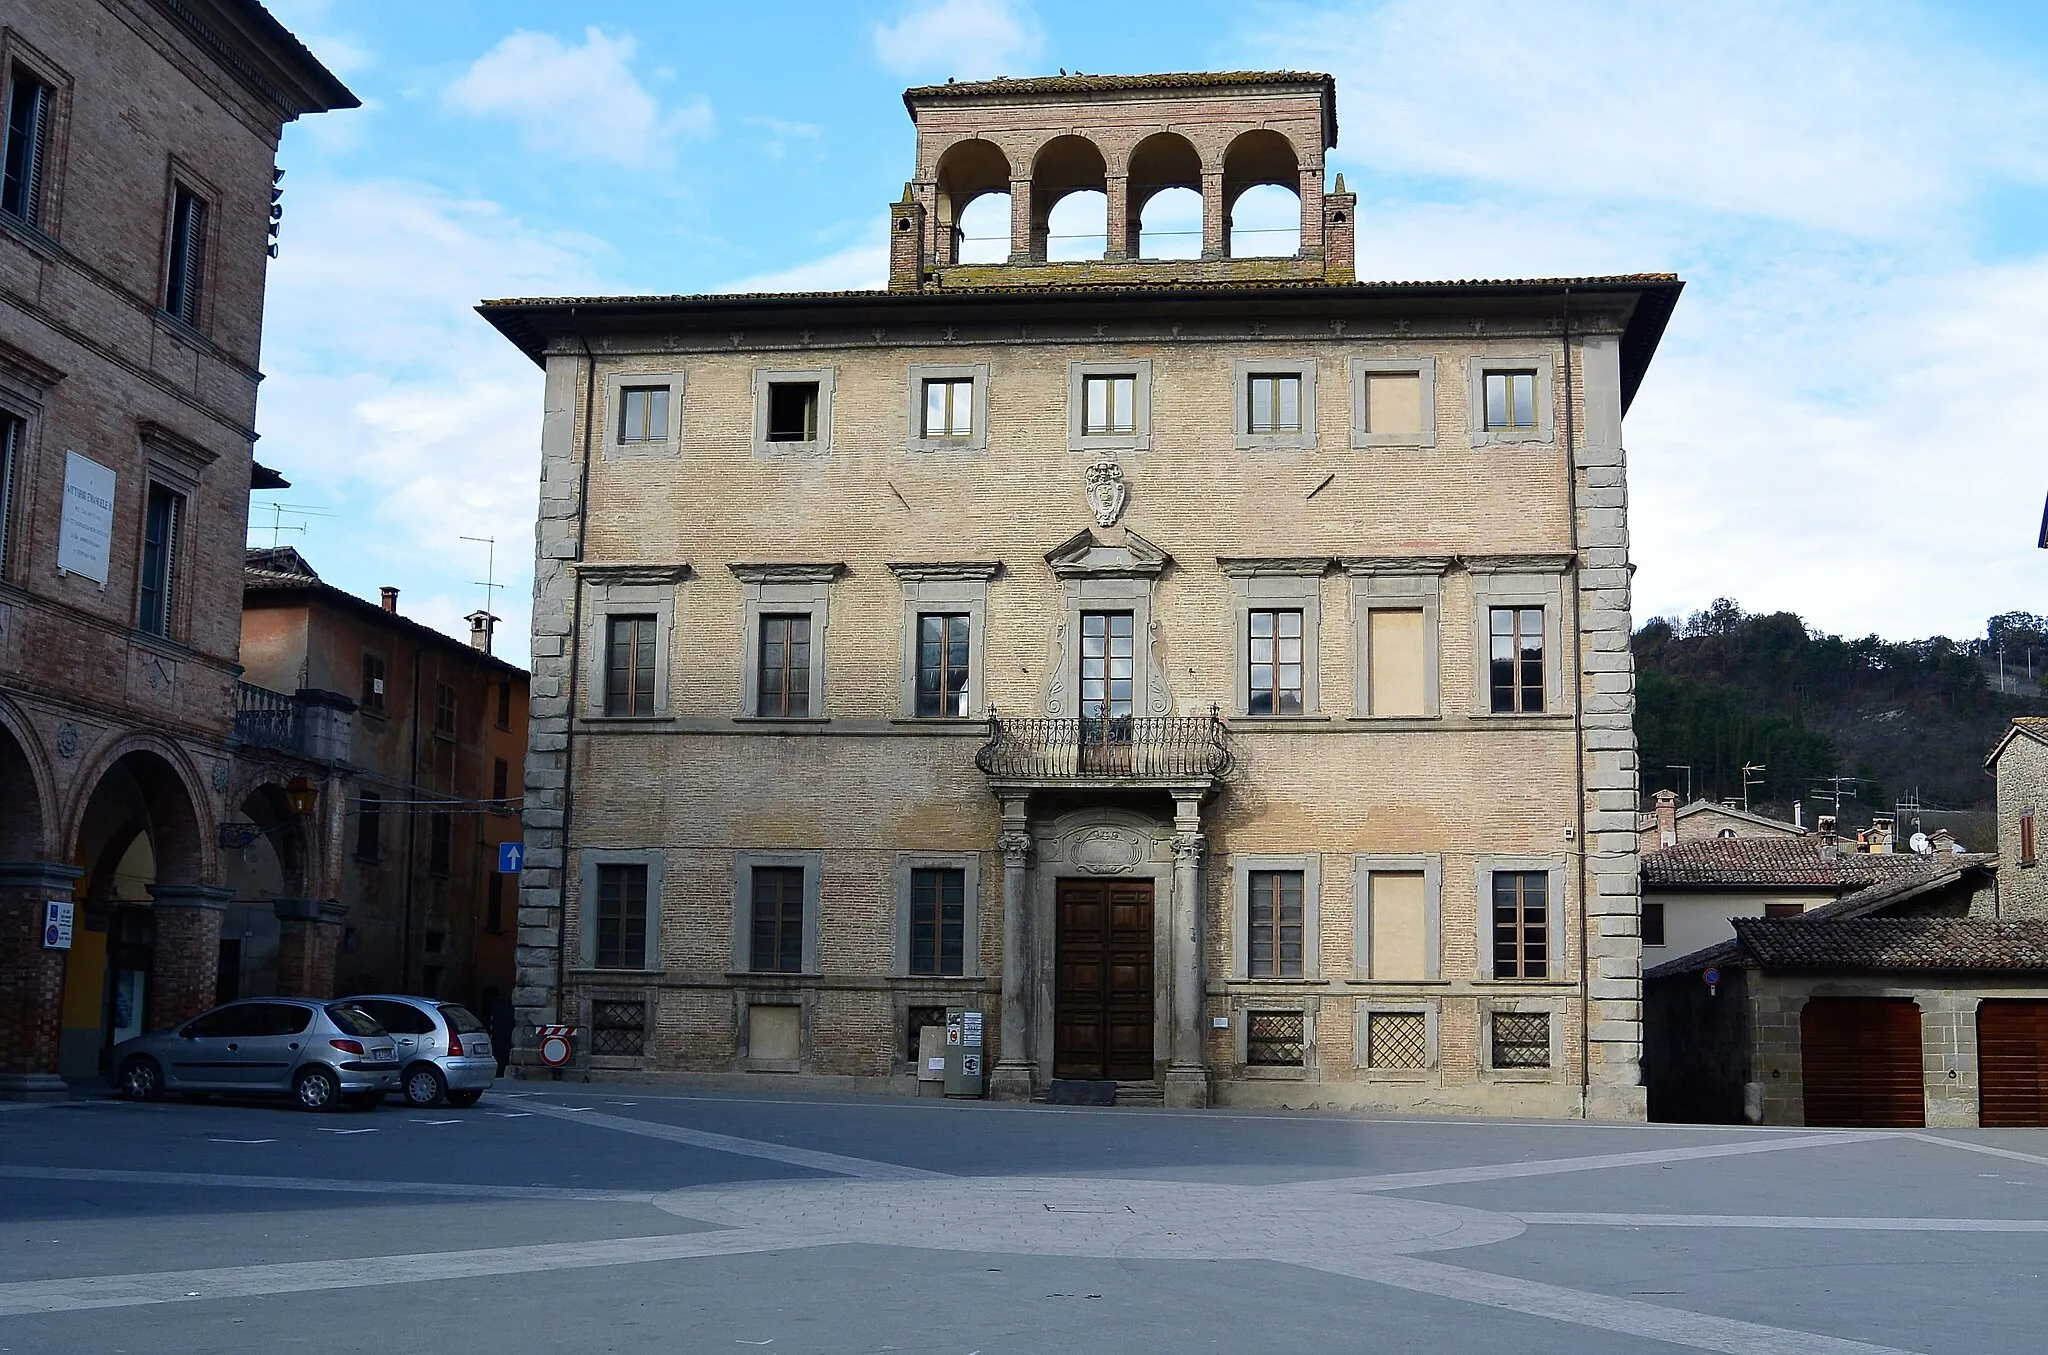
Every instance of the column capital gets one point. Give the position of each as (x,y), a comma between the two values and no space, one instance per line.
(1015,847)
(44,875)
(1188,848)
(214,897)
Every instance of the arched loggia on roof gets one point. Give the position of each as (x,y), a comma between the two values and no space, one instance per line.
(1261,159)
(1063,166)
(1164,162)
(968,172)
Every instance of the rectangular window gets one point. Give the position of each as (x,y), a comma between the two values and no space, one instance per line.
(621,917)
(1521,924)
(444,710)
(1515,659)
(792,411)
(373,683)
(12,433)
(1393,404)
(778,920)
(1784,909)
(618,1027)
(440,841)
(785,672)
(1108,648)
(1273,403)
(501,781)
(1399,924)
(949,408)
(494,903)
(1397,1040)
(1399,679)
(1653,924)
(1109,405)
(27,153)
(1510,400)
(186,273)
(1521,1039)
(369,825)
(159,560)
(1275,1039)
(2027,838)
(643,414)
(629,665)
(1273,950)
(1274,687)
(938,911)
(504,705)
(942,665)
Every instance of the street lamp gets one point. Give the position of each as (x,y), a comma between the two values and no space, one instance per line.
(300,795)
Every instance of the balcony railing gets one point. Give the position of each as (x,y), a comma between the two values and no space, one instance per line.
(1117,748)
(267,719)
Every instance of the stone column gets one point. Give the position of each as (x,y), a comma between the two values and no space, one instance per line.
(1015,1076)
(1215,217)
(1187,1072)
(31,980)
(308,934)
(1024,243)
(186,965)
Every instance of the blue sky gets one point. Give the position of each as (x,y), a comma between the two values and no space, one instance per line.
(1847,418)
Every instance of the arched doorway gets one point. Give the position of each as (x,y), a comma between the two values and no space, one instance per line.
(29,880)
(267,866)
(147,952)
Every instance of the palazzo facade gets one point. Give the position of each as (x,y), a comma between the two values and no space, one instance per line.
(1215,668)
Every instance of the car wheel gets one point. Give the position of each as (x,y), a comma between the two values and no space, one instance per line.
(316,1089)
(424,1085)
(363,1100)
(460,1099)
(141,1079)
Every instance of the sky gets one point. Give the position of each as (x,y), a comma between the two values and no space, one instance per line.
(1846,418)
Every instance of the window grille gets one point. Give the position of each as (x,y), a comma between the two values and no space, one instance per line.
(918,1019)
(1275,1039)
(1397,1040)
(618,1026)
(1521,1039)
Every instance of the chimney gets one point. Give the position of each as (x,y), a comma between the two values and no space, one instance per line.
(390,598)
(1667,818)
(1943,842)
(1881,834)
(481,624)
(1830,847)
(1799,813)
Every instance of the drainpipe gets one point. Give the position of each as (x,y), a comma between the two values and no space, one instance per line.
(1571,481)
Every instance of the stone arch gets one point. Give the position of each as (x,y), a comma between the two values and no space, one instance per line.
(1063,166)
(1260,159)
(967,171)
(147,779)
(1161,162)
(283,838)
(26,808)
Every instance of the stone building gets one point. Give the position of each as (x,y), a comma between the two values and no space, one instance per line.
(1216,669)
(432,740)
(2020,762)
(135,217)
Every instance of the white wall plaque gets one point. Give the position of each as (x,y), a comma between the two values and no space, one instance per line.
(87,534)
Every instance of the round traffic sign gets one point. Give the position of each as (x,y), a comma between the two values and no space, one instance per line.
(1712,977)
(554,1050)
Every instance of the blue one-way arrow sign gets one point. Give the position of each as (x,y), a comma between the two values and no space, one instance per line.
(510,857)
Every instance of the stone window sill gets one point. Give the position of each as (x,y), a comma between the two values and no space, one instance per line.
(1259,1072)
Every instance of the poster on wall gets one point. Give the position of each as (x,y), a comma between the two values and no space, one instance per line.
(86,535)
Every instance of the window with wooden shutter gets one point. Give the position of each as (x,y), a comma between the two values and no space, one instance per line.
(159,557)
(12,434)
(186,273)
(27,153)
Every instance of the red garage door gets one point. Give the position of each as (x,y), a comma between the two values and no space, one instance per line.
(2012,1064)
(1862,1063)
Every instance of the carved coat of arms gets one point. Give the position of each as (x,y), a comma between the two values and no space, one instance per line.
(1106,491)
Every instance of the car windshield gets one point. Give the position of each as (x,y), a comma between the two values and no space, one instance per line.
(461,1020)
(353,1019)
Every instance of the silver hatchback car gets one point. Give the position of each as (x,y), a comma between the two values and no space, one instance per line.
(443,1050)
(320,1053)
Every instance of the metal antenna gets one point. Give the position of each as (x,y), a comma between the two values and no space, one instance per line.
(278,525)
(1682,767)
(1748,780)
(489,581)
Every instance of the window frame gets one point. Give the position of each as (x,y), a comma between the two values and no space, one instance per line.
(1364,865)
(504,715)
(654,861)
(976,440)
(612,621)
(198,314)
(1556,956)
(1397,584)
(1489,1071)
(1518,687)
(170,584)
(1285,584)
(1663,923)
(37,214)
(447,710)
(812,864)
(616,383)
(1519,581)
(14,435)
(627,590)
(625,930)
(1241,1008)
(1303,439)
(380,707)
(950,587)
(1140,437)
(785,590)
(969,864)
(1476,371)
(1429,1009)
(1310,866)
(764,378)
(1424,370)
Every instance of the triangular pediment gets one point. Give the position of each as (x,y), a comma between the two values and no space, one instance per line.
(1084,556)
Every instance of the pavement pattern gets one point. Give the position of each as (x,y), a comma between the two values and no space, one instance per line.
(558,1217)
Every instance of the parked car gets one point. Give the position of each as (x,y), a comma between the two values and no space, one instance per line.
(319,1053)
(443,1050)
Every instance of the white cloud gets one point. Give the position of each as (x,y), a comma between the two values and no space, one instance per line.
(580,101)
(970,39)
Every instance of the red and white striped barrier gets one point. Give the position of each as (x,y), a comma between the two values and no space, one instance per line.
(556,1044)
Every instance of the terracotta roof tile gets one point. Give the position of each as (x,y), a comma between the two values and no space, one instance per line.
(1757,862)
(1894,943)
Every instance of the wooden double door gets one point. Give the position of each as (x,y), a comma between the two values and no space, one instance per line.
(1103,993)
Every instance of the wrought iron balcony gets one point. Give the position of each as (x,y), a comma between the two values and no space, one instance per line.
(268,719)
(1175,748)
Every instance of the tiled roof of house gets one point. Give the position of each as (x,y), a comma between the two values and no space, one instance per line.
(1894,943)
(2034,727)
(1767,862)
(279,574)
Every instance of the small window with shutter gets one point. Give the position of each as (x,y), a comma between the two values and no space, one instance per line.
(186,272)
(27,154)
(161,523)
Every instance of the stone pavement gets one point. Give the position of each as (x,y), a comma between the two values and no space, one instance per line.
(563,1218)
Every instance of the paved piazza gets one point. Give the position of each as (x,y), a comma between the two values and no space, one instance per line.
(569,1218)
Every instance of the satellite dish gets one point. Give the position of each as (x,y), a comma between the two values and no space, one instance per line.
(1920,844)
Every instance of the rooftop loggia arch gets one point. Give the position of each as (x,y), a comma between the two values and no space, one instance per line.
(1066,164)
(1162,161)
(967,171)
(1257,159)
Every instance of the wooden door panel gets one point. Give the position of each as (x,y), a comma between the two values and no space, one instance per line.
(2012,1064)
(1102,1026)
(1861,1063)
